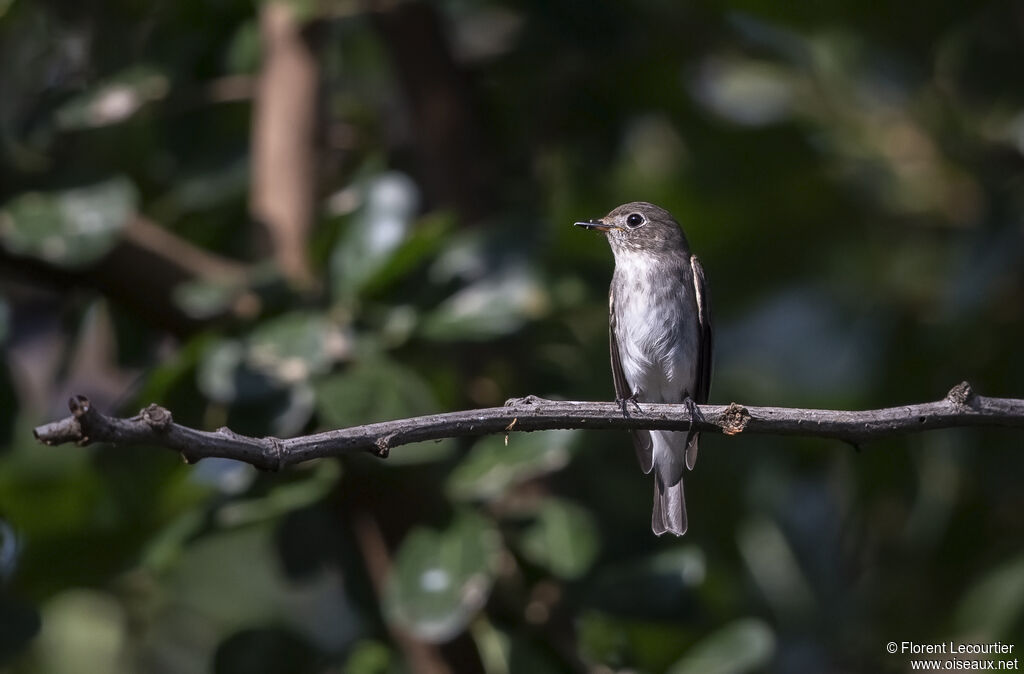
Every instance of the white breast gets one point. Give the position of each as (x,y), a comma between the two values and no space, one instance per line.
(657,329)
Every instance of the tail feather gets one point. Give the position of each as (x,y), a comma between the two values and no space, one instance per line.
(669,508)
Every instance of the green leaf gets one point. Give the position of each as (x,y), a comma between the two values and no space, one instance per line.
(492,467)
(233,579)
(244,51)
(424,240)
(441,579)
(370,657)
(508,653)
(295,346)
(169,373)
(774,566)
(224,376)
(281,353)
(653,585)
(114,100)
(45,492)
(168,544)
(993,605)
(71,228)
(746,91)
(625,644)
(283,498)
(201,298)
(379,389)
(83,631)
(563,538)
(493,306)
(375,232)
(206,189)
(601,639)
(741,646)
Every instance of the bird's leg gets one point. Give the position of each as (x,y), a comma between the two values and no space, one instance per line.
(631,398)
(695,415)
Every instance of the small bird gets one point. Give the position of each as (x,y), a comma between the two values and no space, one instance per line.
(660,341)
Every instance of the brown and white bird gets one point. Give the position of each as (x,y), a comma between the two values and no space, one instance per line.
(660,334)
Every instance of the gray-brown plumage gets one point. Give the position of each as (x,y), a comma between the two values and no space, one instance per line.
(660,339)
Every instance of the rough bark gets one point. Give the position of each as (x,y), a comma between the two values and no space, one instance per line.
(154,425)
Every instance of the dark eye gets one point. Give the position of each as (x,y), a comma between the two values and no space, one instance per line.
(635,220)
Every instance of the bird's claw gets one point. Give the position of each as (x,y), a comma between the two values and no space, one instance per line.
(631,398)
(695,415)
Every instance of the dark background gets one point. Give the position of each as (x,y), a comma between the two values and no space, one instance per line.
(292,216)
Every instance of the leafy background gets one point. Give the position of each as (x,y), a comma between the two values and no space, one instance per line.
(852,176)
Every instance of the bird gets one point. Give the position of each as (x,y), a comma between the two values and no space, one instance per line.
(660,339)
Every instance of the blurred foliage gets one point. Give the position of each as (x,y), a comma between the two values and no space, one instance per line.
(851,175)
(69,228)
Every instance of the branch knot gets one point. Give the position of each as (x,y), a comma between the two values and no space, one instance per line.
(273,452)
(961,396)
(734,419)
(383,445)
(79,406)
(158,418)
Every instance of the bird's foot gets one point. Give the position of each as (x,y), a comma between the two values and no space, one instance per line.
(695,415)
(631,398)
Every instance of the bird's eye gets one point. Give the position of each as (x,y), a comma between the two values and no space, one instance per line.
(635,220)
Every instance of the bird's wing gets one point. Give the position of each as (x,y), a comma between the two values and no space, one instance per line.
(642,442)
(704,345)
(705,338)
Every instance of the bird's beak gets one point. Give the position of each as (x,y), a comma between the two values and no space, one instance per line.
(596,223)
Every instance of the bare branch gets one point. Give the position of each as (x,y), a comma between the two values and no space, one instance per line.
(154,425)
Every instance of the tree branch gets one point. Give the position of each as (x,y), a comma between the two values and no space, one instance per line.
(140,272)
(154,426)
(283,134)
(456,160)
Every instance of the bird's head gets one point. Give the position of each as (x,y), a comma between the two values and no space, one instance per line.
(639,226)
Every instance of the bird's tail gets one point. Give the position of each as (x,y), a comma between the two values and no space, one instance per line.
(669,508)
(670,455)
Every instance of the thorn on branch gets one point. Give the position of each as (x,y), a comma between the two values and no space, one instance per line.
(961,395)
(735,419)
